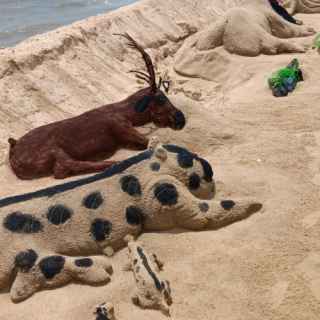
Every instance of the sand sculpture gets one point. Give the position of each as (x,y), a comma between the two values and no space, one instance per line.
(302,6)
(151,291)
(249,30)
(105,311)
(78,145)
(316,43)
(51,231)
(285,79)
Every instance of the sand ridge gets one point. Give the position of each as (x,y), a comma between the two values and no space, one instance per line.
(302,6)
(265,267)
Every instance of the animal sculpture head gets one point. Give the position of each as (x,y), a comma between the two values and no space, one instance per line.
(152,102)
(191,170)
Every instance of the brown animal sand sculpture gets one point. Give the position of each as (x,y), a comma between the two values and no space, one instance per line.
(151,291)
(249,30)
(46,235)
(302,6)
(78,145)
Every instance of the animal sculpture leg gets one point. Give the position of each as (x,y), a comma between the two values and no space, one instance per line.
(270,44)
(132,139)
(284,29)
(65,166)
(145,303)
(157,261)
(140,302)
(50,271)
(286,46)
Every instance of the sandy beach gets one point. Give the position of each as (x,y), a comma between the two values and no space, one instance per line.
(265,267)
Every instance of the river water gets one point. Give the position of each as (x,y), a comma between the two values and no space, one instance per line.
(20,19)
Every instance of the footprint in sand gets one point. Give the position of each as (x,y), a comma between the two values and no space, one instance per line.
(279,293)
(310,269)
(316,154)
(312,143)
(311,220)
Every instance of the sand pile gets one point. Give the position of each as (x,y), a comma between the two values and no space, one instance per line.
(266,267)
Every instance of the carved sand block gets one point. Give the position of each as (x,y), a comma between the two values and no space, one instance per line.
(56,235)
(151,292)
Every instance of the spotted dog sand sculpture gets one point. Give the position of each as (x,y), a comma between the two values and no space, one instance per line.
(248,31)
(45,235)
(302,6)
(151,292)
(80,144)
(105,311)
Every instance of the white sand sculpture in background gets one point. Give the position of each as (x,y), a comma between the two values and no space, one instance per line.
(302,6)
(248,31)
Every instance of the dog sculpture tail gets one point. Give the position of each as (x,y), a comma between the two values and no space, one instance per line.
(12,142)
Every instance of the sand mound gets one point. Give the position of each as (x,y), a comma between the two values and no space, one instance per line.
(263,147)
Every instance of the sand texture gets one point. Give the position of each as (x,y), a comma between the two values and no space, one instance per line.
(265,267)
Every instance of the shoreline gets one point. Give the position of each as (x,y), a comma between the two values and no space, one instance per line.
(22,20)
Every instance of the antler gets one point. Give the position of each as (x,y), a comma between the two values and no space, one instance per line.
(141,75)
(150,77)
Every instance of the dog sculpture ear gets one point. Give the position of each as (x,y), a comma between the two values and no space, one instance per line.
(143,104)
(160,153)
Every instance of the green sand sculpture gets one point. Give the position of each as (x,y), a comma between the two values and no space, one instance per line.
(285,80)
